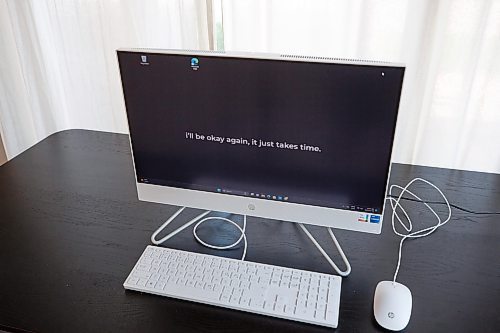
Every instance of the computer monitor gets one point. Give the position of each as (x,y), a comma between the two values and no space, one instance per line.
(300,139)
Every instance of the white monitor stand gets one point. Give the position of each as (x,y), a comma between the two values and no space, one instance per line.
(201,218)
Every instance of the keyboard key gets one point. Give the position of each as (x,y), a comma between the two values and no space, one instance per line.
(268,306)
(306,313)
(142,282)
(245,300)
(331,314)
(133,280)
(289,309)
(143,267)
(279,307)
(321,306)
(146,261)
(142,274)
(257,303)
(234,299)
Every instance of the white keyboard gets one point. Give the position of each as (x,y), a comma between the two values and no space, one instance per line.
(241,285)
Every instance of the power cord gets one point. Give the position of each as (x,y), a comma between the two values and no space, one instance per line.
(224,247)
(202,219)
(395,204)
(444,203)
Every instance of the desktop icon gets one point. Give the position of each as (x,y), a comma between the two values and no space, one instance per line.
(274,197)
(195,64)
(280,197)
(144,60)
(219,190)
(285,198)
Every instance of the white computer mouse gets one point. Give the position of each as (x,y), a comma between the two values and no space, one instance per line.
(392,305)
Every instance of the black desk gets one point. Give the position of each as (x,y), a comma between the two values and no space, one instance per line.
(71,229)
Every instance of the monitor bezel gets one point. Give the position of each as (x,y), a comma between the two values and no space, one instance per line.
(251,206)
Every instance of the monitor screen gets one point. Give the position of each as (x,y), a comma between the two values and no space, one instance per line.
(311,133)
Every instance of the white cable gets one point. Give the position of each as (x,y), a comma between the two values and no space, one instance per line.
(197,218)
(224,247)
(327,257)
(395,203)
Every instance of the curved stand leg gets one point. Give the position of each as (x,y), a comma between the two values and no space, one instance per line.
(327,257)
(175,232)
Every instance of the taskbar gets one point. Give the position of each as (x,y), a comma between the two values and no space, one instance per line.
(280,197)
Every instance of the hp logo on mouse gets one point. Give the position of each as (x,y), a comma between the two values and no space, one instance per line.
(390,315)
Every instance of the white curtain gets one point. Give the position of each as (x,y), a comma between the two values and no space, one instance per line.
(58,67)
(450,111)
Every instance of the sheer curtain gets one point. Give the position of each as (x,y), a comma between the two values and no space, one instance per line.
(450,111)
(58,67)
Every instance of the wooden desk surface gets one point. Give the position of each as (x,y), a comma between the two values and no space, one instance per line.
(71,229)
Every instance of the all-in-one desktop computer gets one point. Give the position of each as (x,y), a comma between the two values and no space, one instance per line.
(300,139)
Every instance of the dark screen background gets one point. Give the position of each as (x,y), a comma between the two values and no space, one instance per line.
(349,111)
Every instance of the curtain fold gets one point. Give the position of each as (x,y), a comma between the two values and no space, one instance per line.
(58,67)
(450,110)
